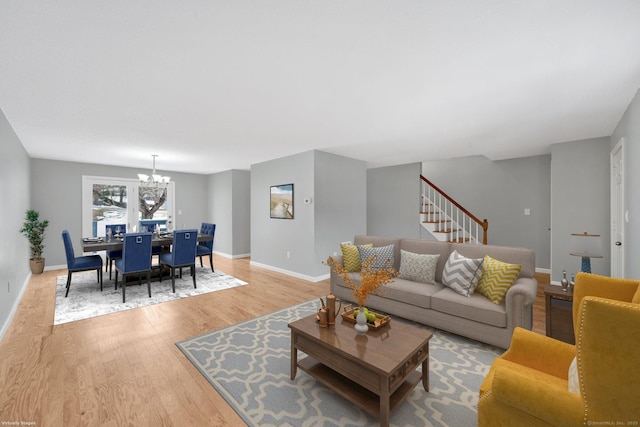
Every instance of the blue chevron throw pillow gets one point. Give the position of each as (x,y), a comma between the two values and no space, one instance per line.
(461,274)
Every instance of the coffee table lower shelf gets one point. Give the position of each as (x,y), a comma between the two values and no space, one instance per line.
(355,393)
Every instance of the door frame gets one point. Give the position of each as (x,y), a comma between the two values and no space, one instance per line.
(618,213)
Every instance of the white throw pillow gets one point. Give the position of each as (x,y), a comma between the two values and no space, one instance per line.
(461,274)
(418,267)
(574,382)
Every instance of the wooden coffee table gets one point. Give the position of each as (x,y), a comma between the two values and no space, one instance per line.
(375,371)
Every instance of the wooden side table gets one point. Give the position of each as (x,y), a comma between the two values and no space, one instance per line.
(559,312)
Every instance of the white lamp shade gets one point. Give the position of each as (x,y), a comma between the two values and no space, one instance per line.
(586,245)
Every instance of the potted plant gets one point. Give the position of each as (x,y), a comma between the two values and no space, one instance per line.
(33,229)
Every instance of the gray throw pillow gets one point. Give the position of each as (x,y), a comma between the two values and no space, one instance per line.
(382,254)
(462,274)
(418,267)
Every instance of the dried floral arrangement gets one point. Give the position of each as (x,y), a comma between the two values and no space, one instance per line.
(372,279)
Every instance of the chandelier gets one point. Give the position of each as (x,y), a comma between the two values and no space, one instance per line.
(153,180)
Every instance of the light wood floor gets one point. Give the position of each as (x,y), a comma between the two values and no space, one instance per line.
(124,368)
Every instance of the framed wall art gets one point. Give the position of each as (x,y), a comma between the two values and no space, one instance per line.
(282,201)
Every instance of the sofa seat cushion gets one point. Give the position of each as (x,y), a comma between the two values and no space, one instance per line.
(476,307)
(406,291)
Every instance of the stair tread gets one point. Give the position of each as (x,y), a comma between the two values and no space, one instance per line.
(448,230)
(436,221)
(460,240)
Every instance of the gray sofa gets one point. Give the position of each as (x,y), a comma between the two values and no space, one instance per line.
(438,306)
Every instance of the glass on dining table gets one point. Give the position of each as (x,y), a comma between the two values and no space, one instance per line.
(118,230)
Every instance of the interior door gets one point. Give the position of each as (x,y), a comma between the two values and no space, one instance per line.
(617,210)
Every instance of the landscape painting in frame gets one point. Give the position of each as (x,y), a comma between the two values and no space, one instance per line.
(282,201)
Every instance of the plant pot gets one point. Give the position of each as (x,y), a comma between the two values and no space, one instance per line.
(37,265)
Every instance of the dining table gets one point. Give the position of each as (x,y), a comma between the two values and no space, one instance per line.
(96,244)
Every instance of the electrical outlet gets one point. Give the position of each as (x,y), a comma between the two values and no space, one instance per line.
(288,254)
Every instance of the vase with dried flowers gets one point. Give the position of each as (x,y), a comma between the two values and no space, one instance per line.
(372,279)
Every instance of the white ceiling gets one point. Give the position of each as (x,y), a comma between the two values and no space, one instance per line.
(217,85)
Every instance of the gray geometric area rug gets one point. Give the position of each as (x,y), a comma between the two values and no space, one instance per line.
(249,365)
(85,299)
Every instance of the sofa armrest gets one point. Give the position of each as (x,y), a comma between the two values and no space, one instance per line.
(332,274)
(519,303)
(537,394)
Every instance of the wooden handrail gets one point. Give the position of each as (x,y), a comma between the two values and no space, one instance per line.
(484,223)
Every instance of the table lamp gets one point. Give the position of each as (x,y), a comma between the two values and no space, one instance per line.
(586,246)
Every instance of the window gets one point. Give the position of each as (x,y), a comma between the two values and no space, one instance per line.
(110,201)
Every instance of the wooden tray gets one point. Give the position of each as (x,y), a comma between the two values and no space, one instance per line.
(381,319)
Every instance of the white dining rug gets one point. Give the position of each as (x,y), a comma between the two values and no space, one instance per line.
(85,299)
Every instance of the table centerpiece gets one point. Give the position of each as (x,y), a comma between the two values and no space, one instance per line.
(372,279)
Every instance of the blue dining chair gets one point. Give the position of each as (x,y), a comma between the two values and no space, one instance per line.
(206,248)
(183,254)
(136,259)
(82,263)
(113,255)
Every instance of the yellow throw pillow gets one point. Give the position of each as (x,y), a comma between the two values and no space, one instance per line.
(497,277)
(351,257)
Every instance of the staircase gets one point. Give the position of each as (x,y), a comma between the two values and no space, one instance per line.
(446,220)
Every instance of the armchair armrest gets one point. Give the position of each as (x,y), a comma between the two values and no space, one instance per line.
(541,353)
(537,394)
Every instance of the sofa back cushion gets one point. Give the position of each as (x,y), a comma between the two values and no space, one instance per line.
(522,256)
(377,241)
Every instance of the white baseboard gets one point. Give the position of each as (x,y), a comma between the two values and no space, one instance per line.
(226,255)
(56,267)
(5,327)
(543,270)
(291,273)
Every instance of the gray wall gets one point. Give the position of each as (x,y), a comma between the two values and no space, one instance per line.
(220,212)
(15,200)
(393,202)
(241,201)
(580,200)
(229,205)
(271,239)
(629,128)
(336,187)
(500,191)
(340,204)
(56,189)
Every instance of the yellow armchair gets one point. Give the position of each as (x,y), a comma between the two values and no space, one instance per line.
(529,384)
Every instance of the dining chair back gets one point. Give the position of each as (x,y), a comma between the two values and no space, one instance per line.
(206,248)
(183,254)
(136,258)
(117,253)
(83,263)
